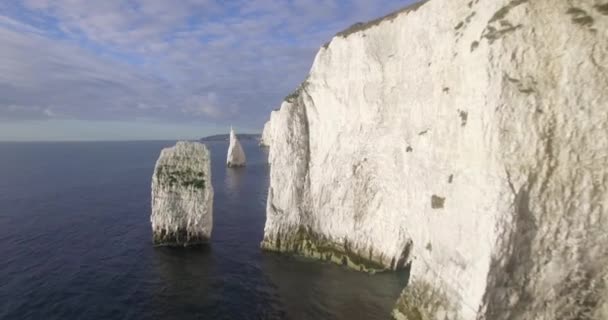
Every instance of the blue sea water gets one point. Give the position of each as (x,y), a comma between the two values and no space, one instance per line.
(75,243)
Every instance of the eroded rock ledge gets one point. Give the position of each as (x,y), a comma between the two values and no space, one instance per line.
(305,242)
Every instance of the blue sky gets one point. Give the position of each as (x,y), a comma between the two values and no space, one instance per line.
(158,69)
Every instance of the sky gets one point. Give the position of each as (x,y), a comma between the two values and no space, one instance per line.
(158,69)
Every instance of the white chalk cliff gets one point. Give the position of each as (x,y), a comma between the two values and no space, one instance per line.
(466,139)
(236,155)
(265,140)
(182,196)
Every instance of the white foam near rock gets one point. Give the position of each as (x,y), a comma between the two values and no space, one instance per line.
(236,155)
(468,139)
(182,196)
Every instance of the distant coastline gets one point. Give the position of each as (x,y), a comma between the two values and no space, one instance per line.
(225,137)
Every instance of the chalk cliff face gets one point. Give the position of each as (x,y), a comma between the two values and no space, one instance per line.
(266,138)
(182,196)
(236,155)
(467,139)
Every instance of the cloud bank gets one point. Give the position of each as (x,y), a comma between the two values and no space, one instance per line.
(208,62)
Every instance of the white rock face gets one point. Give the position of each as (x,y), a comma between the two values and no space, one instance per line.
(182,196)
(466,138)
(266,138)
(236,155)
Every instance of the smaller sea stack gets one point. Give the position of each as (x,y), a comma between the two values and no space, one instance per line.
(236,155)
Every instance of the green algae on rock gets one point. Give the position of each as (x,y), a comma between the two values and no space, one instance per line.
(182,196)
(306,243)
(421,300)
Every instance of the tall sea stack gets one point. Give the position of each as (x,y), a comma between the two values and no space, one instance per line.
(236,155)
(182,196)
(464,139)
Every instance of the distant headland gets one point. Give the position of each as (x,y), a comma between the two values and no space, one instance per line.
(226,137)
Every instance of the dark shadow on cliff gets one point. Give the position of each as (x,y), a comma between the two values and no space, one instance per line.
(510,268)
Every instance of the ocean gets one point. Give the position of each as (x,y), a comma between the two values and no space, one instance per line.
(75,243)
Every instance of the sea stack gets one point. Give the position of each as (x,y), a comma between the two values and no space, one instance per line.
(462,140)
(182,196)
(236,155)
(266,138)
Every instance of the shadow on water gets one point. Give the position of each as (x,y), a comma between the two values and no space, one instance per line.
(309,289)
(234,178)
(184,282)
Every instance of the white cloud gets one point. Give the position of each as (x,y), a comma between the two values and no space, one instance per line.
(71,81)
(17,25)
(206,60)
(206,105)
